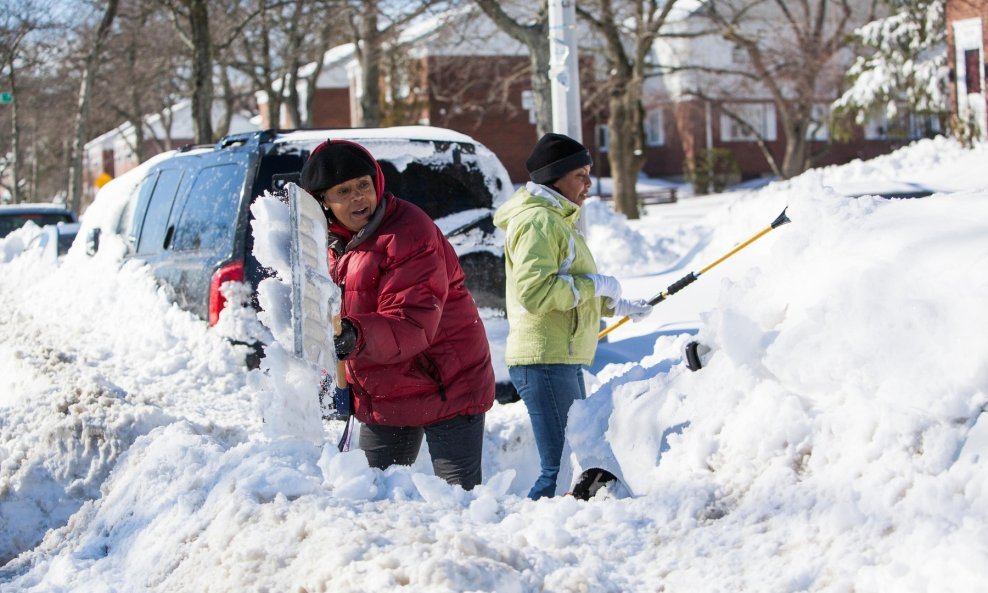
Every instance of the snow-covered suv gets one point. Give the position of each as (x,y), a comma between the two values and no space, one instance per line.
(191,217)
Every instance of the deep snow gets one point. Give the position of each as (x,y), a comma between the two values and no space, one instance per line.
(830,444)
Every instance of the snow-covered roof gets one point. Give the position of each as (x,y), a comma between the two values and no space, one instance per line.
(460,31)
(333,73)
(181,124)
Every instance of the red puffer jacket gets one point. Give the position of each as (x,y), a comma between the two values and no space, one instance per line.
(422,354)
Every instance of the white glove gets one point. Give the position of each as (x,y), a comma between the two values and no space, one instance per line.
(637,310)
(605,286)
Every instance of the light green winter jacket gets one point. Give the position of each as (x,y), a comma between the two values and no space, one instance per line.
(553,315)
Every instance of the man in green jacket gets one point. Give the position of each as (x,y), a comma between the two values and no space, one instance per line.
(555,297)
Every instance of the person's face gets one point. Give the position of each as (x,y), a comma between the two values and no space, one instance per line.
(352,202)
(575,185)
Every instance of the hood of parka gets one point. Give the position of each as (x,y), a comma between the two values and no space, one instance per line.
(533,195)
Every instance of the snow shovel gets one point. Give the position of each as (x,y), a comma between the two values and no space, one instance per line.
(689,278)
(313,291)
(591,480)
(312,287)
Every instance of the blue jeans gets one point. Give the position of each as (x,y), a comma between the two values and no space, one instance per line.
(548,391)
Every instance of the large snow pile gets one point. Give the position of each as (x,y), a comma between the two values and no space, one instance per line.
(831,442)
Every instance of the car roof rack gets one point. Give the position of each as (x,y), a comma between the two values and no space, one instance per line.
(192,146)
(256,137)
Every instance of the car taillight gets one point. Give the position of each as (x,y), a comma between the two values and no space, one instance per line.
(233,272)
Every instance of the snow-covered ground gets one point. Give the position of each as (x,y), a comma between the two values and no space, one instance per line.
(831,443)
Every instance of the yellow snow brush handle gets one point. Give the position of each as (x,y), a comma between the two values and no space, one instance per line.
(689,278)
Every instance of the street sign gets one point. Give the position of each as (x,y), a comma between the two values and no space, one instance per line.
(6,98)
(102,180)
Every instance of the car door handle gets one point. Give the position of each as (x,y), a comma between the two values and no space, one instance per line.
(168,237)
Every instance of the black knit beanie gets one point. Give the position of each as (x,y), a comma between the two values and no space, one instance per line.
(555,155)
(332,163)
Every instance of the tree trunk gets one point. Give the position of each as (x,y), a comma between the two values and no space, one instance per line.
(229,104)
(625,149)
(795,125)
(293,100)
(310,93)
(202,71)
(795,159)
(370,68)
(538,55)
(136,115)
(15,191)
(85,92)
(35,159)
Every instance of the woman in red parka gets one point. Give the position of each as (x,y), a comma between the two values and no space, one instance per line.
(416,352)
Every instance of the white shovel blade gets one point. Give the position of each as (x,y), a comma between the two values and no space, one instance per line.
(314,296)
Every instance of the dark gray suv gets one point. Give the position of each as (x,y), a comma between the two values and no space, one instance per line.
(191,219)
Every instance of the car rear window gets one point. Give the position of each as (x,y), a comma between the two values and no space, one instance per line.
(209,216)
(440,189)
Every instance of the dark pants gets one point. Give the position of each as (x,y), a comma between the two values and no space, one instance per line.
(548,391)
(455,446)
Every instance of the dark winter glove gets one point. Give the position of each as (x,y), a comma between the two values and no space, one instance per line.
(346,340)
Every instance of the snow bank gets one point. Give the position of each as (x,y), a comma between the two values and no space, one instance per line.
(830,444)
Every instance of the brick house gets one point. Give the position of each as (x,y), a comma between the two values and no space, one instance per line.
(462,73)
(456,71)
(966,37)
(686,108)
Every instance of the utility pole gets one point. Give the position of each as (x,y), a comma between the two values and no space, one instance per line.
(564,75)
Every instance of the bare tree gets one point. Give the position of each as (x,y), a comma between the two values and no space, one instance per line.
(47,97)
(91,63)
(191,19)
(300,105)
(13,35)
(628,30)
(148,56)
(277,42)
(17,22)
(533,34)
(789,50)
(371,28)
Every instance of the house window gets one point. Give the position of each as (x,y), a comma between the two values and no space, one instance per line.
(972,70)
(654,128)
(924,126)
(904,126)
(528,103)
(739,55)
(603,136)
(817,130)
(759,117)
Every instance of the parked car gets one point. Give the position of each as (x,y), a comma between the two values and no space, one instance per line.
(13,217)
(55,239)
(189,217)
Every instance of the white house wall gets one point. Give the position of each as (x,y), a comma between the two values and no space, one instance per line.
(716,53)
(333,74)
(467,33)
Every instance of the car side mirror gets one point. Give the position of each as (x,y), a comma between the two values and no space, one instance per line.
(92,241)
